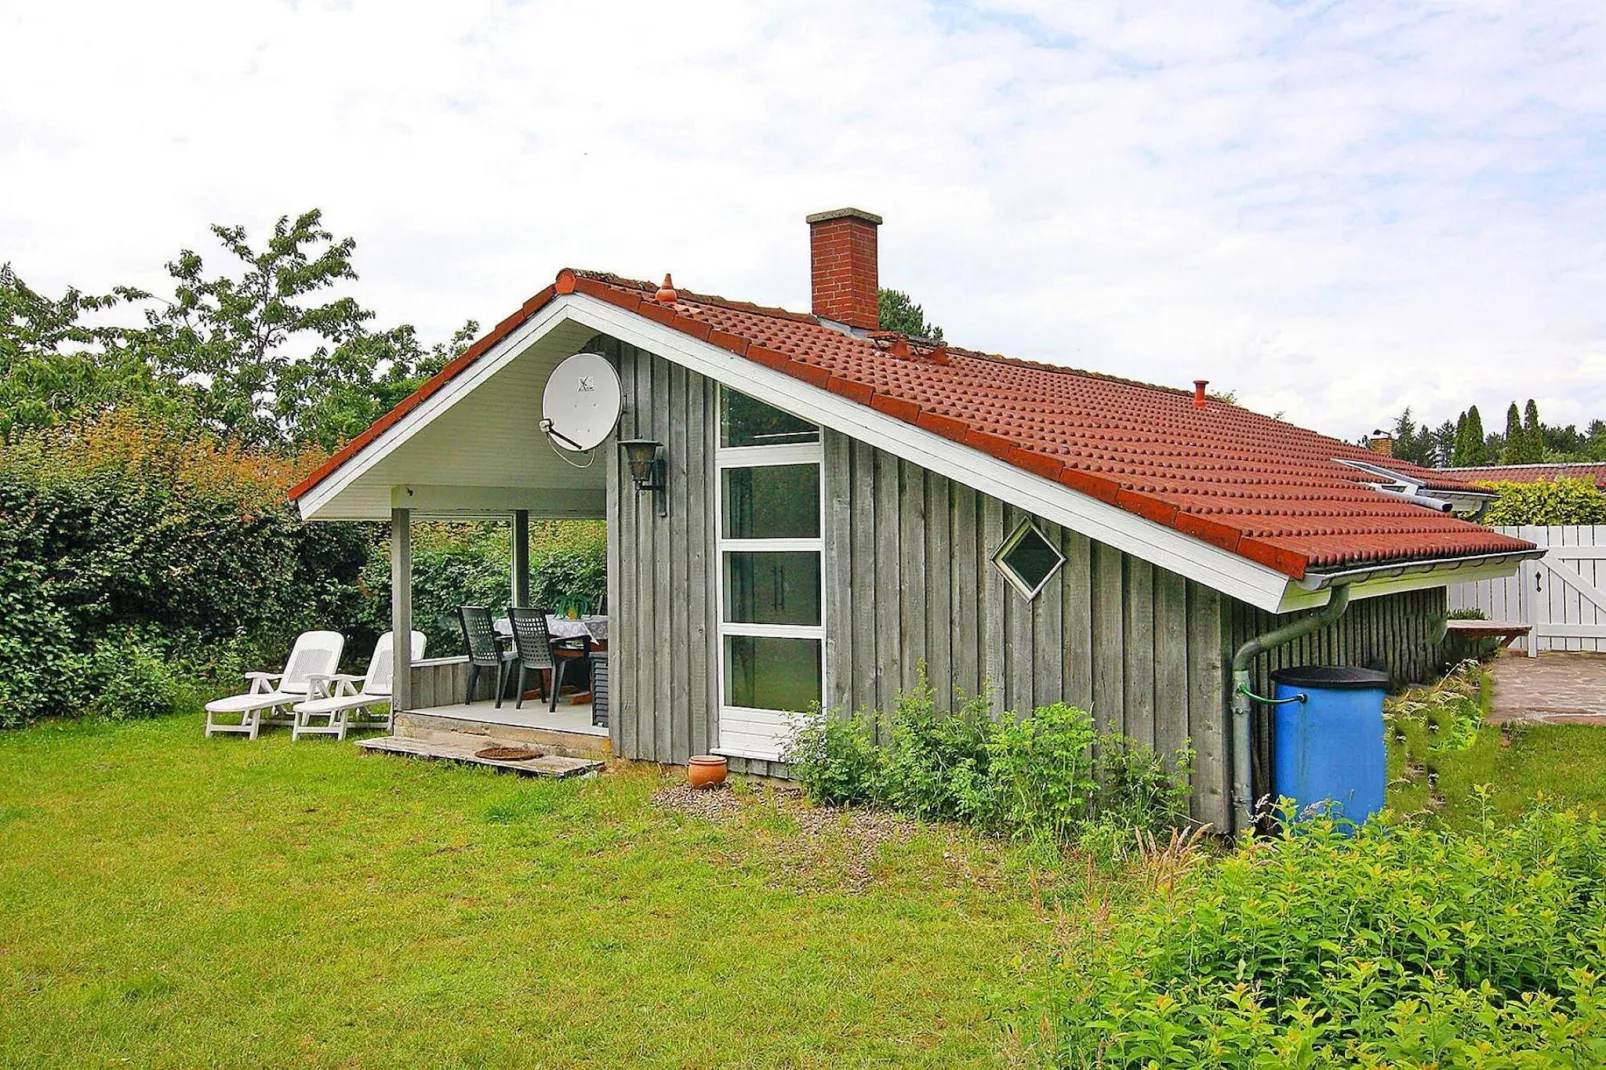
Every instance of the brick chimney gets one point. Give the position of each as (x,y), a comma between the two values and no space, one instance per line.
(1381,442)
(842,267)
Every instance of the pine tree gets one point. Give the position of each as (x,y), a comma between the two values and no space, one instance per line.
(1514,451)
(1477,450)
(1534,433)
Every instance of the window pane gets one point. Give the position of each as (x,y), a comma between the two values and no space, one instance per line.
(773,588)
(745,422)
(775,502)
(772,674)
(1032,560)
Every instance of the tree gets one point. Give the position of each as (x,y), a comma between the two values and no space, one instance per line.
(55,369)
(1470,449)
(1533,431)
(1524,445)
(898,312)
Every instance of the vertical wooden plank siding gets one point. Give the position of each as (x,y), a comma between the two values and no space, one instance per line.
(862,568)
(1138,599)
(912,574)
(938,583)
(699,548)
(1208,673)
(1171,730)
(966,641)
(1109,647)
(993,587)
(887,591)
(678,570)
(838,531)
(1076,618)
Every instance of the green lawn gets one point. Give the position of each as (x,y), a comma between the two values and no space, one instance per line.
(167,900)
(1566,764)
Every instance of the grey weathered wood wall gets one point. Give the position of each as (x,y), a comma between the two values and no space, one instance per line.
(909,578)
(661,654)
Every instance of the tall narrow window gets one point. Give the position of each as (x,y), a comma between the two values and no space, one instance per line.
(771,620)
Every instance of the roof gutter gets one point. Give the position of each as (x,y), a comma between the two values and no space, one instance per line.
(1318,581)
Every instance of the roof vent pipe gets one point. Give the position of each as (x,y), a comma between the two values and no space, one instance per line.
(1199,392)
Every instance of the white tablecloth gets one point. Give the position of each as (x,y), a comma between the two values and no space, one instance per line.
(564,628)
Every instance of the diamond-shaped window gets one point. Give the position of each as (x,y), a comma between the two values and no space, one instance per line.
(1028,560)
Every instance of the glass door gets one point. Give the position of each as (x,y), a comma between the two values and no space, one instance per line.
(772,619)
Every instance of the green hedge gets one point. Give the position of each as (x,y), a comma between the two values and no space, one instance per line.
(1564,501)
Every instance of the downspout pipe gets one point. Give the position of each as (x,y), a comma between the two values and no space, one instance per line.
(1243,801)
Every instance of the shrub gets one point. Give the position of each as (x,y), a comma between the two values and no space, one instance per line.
(835,760)
(1564,501)
(1402,945)
(1047,777)
(128,680)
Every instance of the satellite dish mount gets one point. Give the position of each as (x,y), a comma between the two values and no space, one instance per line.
(580,406)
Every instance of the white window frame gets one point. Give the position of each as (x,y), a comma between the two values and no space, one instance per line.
(1014,540)
(752,719)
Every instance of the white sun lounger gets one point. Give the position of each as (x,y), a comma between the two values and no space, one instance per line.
(272,693)
(335,700)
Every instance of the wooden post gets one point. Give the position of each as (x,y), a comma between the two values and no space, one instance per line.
(401,607)
(521,557)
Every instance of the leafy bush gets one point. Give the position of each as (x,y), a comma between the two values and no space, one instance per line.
(127,679)
(1564,501)
(1046,777)
(1397,946)
(835,760)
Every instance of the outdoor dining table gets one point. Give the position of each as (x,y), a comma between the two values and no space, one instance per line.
(589,627)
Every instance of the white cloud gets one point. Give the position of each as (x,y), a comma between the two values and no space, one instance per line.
(1335,209)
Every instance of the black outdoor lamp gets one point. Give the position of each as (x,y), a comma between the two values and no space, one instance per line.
(644,456)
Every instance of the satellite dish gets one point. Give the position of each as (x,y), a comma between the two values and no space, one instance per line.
(581,404)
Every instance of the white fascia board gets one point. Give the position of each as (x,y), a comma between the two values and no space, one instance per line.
(315,501)
(1228,573)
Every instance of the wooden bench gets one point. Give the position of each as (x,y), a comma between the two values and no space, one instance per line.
(1505,631)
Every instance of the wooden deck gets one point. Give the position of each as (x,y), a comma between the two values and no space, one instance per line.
(462,748)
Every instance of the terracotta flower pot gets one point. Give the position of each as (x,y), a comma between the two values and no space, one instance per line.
(707,770)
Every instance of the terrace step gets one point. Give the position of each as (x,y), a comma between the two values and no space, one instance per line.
(453,730)
(462,748)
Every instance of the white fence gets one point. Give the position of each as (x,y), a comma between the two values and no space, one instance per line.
(1561,595)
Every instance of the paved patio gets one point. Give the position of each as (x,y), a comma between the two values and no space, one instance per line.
(1550,689)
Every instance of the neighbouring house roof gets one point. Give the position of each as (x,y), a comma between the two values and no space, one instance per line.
(1530,473)
(1257,487)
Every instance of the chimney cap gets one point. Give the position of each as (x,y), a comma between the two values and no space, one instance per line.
(843,213)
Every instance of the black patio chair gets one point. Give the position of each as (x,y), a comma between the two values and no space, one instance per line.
(533,650)
(484,652)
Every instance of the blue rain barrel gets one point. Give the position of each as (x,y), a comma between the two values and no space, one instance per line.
(1329,748)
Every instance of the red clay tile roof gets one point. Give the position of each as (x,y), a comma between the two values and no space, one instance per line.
(1530,473)
(1257,487)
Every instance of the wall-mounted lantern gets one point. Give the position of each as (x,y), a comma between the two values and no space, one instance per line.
(647,468)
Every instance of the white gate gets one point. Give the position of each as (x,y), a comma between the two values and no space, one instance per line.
(1561,595)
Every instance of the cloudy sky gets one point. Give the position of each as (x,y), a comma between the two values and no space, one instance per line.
(1336,209)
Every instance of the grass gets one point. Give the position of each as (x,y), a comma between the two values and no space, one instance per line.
(1566,764)
(167,900)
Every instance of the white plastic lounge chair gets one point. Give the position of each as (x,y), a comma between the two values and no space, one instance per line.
(272,693)
(334,699)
